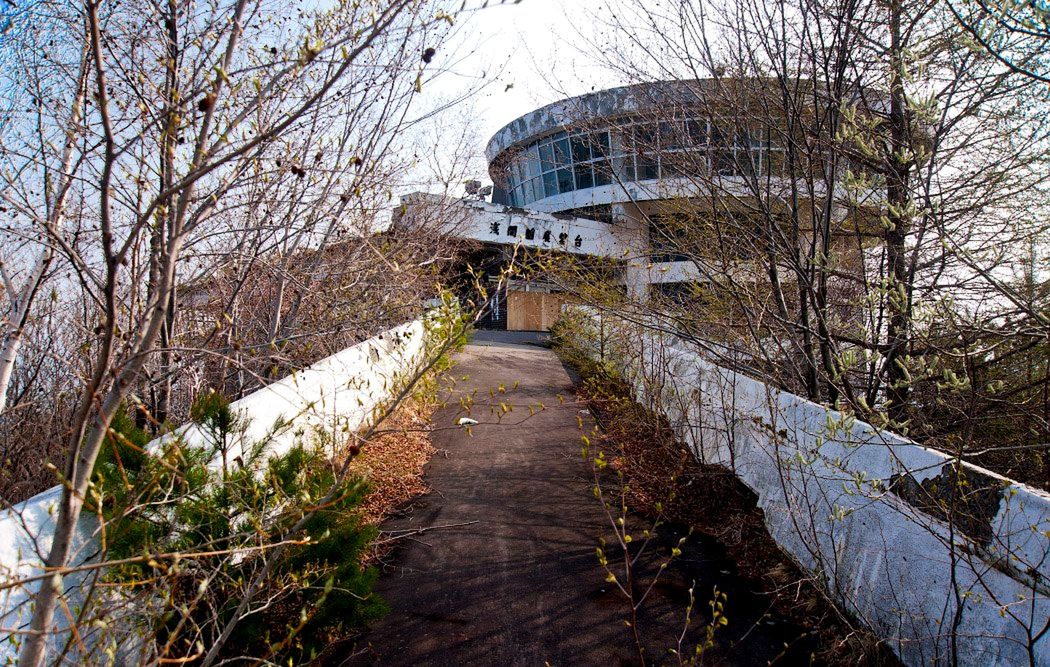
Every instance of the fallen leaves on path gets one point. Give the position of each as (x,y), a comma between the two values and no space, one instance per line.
(394,461)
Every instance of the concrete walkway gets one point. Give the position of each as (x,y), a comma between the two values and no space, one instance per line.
(520,585)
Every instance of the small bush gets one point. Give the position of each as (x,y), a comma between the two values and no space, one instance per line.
(572,336)
(222,523)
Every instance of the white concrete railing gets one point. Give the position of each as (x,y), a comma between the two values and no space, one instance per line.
(339,395)
(823,482)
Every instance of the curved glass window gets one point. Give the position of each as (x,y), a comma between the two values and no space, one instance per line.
(638,150)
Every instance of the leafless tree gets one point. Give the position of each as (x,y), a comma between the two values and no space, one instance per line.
(156,152)
(859,198)
(860,177)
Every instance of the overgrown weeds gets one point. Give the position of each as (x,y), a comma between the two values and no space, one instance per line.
(663,479)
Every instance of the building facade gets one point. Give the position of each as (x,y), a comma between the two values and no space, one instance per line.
(621,174)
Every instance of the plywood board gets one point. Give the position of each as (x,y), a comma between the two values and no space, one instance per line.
(533,311)
(516,311)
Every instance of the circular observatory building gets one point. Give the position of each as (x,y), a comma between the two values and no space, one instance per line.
(634,175)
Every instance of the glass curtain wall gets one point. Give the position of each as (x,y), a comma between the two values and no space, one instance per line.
(639,151)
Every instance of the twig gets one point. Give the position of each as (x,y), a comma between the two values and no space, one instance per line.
(417,531)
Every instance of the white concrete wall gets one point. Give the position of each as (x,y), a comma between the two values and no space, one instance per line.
(339,395)
(821,480)
(674,272)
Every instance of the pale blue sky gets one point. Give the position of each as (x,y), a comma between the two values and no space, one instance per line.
(530,53)
(541,43)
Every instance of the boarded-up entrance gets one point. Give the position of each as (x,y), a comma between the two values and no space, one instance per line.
(532,311)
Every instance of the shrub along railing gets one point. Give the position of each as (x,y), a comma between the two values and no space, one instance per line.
(327,402)
(947,562)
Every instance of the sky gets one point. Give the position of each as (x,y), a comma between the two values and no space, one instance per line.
(537,46)
(529,54)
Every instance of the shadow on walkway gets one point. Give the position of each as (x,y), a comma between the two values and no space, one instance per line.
(520,585)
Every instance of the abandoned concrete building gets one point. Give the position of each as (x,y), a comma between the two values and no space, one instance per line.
(615,176)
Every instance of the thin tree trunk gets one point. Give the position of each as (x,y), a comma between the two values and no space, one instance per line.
(13,339)
(8,355)
(162,403)
(22,303)
(99,404)
(898,204)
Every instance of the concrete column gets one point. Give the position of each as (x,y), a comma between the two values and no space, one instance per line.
(632,230)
